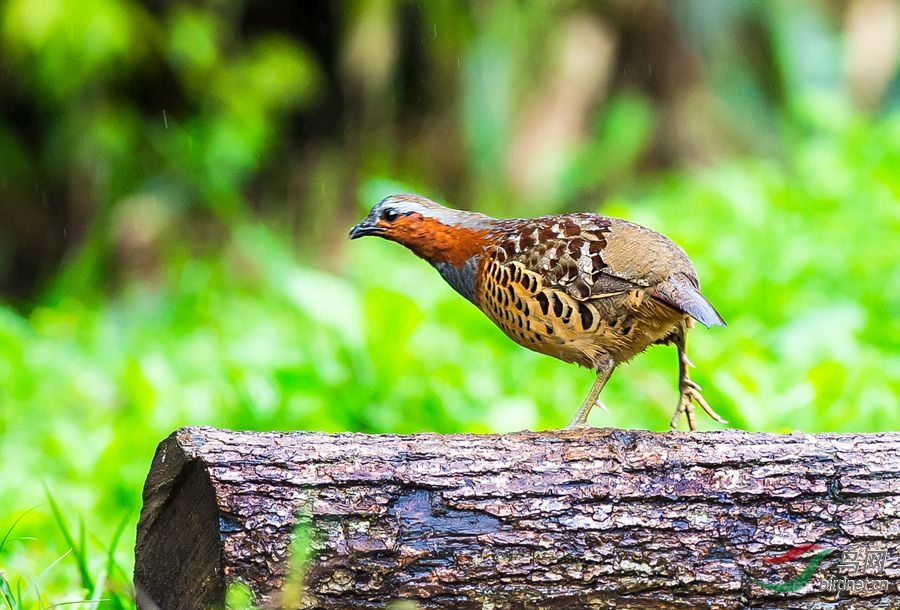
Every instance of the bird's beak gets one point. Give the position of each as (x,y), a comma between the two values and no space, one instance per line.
(365,227)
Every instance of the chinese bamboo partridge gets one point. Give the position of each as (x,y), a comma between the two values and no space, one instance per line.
(583,288)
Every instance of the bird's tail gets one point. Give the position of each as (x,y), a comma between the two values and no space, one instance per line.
(684,295)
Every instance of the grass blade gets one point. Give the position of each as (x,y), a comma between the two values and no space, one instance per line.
(7,593)
(13,526)
(112,566)
(77,552)
(82,559)
(57,604)
(111,553)
(45,571)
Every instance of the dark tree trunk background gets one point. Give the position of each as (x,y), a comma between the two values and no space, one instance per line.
(579,519)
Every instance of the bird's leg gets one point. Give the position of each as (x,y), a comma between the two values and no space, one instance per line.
(603,373)
(690,391)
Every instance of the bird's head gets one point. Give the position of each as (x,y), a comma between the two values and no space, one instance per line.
(432,231)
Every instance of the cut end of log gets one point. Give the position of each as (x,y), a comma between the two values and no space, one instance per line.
(178,539)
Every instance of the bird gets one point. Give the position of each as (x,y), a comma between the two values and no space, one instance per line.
(587,289)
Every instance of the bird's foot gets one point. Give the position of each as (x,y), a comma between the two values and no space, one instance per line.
(604,370)
(690,393)
(580,419)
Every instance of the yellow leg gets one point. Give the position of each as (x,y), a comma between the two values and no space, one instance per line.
(580,419)
(690,391)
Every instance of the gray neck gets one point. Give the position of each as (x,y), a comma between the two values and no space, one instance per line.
(461,278)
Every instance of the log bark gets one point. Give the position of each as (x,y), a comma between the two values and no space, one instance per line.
(592,518)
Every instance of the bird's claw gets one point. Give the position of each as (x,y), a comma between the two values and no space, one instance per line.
(690,384)
(577,425)
(690,393)
(579,422)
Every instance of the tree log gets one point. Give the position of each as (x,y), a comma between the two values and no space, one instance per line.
(593,518)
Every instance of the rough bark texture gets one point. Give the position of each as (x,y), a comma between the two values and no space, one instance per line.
(580,519)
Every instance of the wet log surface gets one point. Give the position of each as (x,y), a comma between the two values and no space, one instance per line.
(580,519)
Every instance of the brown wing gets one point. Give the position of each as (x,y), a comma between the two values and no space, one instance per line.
(590,257)
(543,282)
(581,287)
(567,252)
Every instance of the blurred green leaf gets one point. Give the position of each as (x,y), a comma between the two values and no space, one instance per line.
(69,44)
(194,45)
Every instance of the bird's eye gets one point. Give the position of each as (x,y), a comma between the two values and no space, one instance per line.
(390,214)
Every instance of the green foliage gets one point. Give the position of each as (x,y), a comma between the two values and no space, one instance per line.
(111,588)
(76,59)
